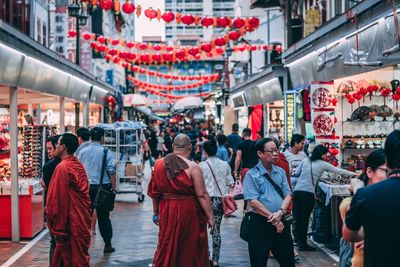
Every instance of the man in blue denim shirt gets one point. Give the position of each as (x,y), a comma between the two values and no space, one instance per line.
(92,158)
(267,232)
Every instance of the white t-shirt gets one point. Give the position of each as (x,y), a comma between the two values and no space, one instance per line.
(222,172)
(294,159)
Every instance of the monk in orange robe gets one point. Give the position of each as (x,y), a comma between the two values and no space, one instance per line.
(182,209)
(68,207)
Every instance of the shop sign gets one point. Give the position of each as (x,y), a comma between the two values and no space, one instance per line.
(60,33)
(290,115)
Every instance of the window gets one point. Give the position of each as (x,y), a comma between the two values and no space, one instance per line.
(39,30)
(44,35)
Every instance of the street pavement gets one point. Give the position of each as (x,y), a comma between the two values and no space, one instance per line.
(135,240)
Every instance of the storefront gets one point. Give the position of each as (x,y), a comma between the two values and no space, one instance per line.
(259,102)
(41,94)
(350,66)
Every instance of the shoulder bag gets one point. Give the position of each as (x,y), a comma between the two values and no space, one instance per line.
(104,199)
(287,218)
(228,203)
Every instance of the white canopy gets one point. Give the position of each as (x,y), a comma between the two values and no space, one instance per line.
(188,102)
(135,100)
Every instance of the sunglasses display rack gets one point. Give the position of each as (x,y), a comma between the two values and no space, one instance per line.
(33,150)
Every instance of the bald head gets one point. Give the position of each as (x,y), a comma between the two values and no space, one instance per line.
(181,142)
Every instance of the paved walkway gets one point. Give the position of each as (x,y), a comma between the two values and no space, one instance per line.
(135,239)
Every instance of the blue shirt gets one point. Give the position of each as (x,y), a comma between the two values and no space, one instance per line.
(92,158)
(222,153)
(257,187)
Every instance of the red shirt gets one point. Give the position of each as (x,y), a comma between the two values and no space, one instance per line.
(282,162)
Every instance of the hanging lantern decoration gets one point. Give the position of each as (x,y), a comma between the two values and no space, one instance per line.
(150,13)
(219,50)
(396,98)
(93,45)
(72,33)
(101,39)
(350,99)
(128,7)
(358,97)
(334,102)
(106,4)
(234,35)
(206,47)
(87,36)
(111,102)
(187,19)
(115,42)
(385,92)
(131,56)
(206,22)
(224,22)
(220,41)
(168,17)
(334,151)
(167,57)
(254,22)
(117,7)
(238,23)
(398,90)
(363,91)
(156,58)
(193,51)
(180,54)
(278,49)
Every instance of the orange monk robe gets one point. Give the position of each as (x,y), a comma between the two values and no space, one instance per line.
(68,211)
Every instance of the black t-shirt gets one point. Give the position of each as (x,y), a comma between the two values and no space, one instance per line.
(48,170)
(377,209)
(168,143)
(249,155)
(233,141)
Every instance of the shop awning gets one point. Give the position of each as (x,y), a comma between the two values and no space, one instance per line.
(149,113)
(32,66)
(337,49)
(265,87)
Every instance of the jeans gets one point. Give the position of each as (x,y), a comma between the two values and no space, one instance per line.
(263,238)
(303,204)
(103,217)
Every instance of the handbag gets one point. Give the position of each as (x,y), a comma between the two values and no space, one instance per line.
(237,192)
(228,203)
(104,199)
(287,218)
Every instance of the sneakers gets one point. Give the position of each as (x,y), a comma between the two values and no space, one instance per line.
(306,247)
(109,249)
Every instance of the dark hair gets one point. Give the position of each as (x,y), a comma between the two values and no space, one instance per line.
(318,151)
(296,138)
(235,127)
(392,149)
(222,139)
(53,140)
(246,132)
(96,134)
(211,148)
(375,159)
(260,145)
(70,141)
(83,133)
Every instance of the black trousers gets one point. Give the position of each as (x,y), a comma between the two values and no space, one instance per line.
(263,238)
(303,204)
(103,217)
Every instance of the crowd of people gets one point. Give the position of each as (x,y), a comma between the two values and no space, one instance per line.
(194,171)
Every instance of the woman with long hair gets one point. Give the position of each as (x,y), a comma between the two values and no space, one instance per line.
(375,170)
(309,172)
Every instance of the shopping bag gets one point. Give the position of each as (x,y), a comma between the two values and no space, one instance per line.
(237,192)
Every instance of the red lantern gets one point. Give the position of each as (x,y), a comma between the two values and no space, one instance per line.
(193,51)
(156,57)
(363,91)
(106,4)
(111,101)
(130,45)
(87,36)
(116,60)
(143,46)
(128,7)
(254,22)
(150,13)
(168,17)
(131,56)
(242,48)
(220,41)
(113,52)
(157,47)
(72,33)
(197,57)
(187,19)
(335,163)
(169,48)
(115,42)
(234,35)
(145,58)
(253,48)
(223,22)
(101,48)
(334,102)
(357,96)
(219,50)
(385,92)
(239,23)
(167,57)
(206,22)
(123,54)
(351,101)
(180,54)
(333,151)
(101,39)
(206,47)
(278,49)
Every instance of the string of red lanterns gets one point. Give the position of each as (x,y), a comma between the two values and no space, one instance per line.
(169,96)
(141,83)
(209,77)
(128,7)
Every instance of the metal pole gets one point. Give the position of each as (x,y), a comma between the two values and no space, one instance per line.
(14,164)
(62,114)
(268,38)
(251,62)
(77,111)
(86,111)
(289,23)
(77,43)
(227,82)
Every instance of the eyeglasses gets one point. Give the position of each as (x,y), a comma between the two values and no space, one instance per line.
(384,169)
(273,151)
